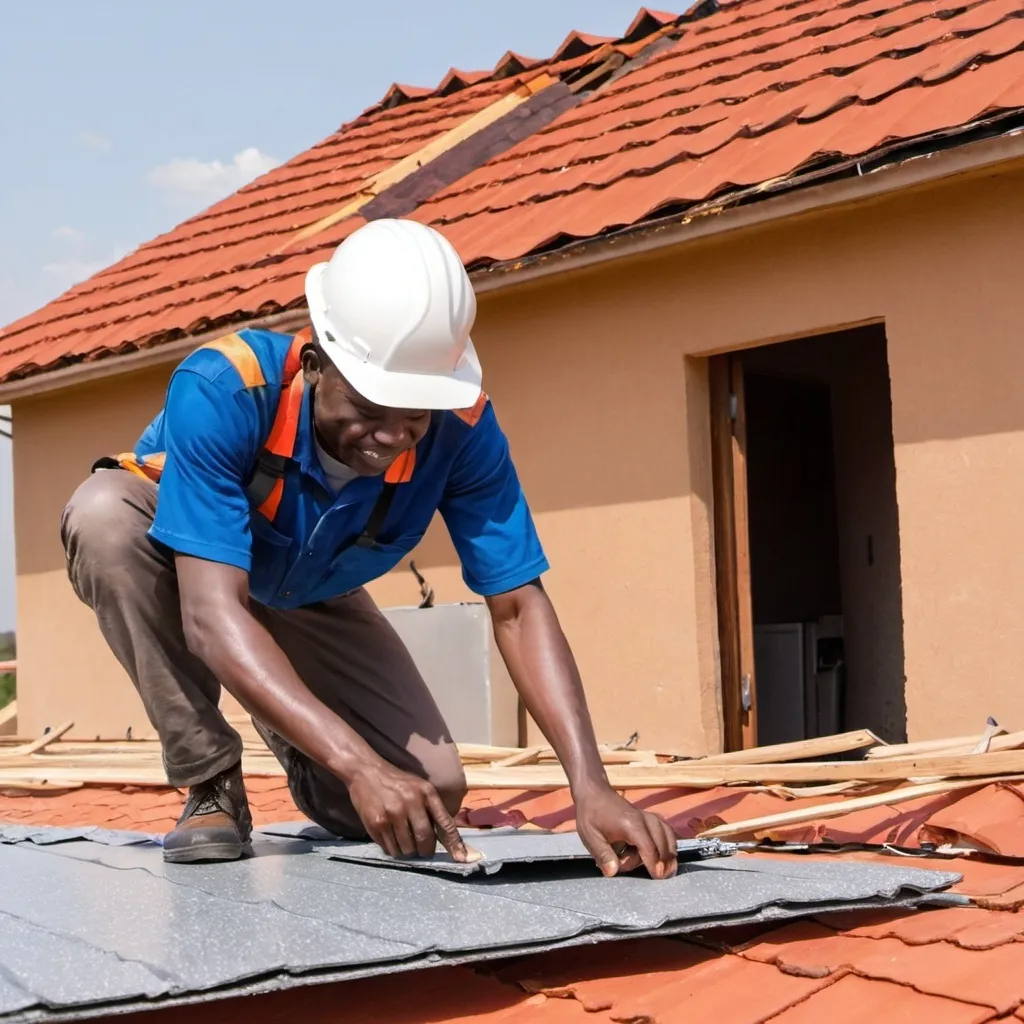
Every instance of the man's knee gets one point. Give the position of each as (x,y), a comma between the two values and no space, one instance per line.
(325,800)
(449,779)
(440,765)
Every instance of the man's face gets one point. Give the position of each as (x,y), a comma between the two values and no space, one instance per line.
(364,436)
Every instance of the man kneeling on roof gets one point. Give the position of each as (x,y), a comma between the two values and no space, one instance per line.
(281,476)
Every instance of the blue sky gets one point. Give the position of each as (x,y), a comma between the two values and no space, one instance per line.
(120,119)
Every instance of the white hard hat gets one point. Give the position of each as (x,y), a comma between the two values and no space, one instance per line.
(393,308)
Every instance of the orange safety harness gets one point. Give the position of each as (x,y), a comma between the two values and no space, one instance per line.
(266,488)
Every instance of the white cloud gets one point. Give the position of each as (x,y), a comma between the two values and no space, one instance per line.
(66,233)
(93,141)
(210,180)
(68,272)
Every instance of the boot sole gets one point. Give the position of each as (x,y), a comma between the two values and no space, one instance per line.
(208,852)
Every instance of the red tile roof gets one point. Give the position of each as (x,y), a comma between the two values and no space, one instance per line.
(756,93)
(952,966)
(729,105)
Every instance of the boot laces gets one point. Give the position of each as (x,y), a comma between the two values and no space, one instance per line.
(209,798)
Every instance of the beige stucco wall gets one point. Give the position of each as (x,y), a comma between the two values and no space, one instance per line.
(65,670)
(608,422)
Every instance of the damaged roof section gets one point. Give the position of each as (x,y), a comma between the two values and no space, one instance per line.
(684,113)
(133,932)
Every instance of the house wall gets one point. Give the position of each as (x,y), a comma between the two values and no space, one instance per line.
(608,421)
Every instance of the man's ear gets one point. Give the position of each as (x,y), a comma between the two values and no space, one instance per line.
(312,365)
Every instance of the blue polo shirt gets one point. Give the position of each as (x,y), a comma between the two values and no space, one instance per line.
(211,431)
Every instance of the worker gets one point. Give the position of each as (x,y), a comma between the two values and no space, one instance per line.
(232,546)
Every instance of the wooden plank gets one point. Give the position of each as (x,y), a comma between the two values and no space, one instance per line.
(828,789)
(744,600)
(839,808)
(46,768)
(371,188)
(39,787)
(530,755)
(951,746)
(60,775)
(97,749)
(799,750)
(484,752)
(38,744)
(8,666)
(541,777)
(8,714)
(726,585)
(477,753)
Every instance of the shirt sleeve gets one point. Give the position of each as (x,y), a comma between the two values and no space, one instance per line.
(210,431)
(487,514)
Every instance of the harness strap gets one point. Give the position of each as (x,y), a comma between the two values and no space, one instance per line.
(378,514)
(266,487)
(399,472)
(149,467)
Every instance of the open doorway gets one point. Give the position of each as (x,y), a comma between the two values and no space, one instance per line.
(807,540)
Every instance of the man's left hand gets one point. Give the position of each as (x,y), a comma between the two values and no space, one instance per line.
(622,837)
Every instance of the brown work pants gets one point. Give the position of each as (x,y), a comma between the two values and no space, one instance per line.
(343,649)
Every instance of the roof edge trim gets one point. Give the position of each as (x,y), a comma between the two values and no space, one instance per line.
(144,358)
(930,168)
(682,228)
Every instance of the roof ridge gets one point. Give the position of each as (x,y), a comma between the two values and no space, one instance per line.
(645,25)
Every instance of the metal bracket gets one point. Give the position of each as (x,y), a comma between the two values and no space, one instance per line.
(746,694)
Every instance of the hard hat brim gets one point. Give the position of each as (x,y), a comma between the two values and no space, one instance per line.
(459,389)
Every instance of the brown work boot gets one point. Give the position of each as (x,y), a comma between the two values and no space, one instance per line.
(215,824)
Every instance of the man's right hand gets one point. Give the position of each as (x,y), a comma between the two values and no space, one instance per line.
(404,814)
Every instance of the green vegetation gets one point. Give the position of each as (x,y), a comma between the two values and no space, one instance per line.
(7,653)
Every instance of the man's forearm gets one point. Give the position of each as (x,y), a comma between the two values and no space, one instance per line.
(544,672)
(250,665)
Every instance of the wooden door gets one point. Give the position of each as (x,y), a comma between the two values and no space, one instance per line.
(732,552)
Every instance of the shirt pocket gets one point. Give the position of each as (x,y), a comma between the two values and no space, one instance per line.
(356,566)
(263,532)
(271,560)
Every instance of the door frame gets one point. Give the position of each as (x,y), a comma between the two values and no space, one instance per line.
(732,551)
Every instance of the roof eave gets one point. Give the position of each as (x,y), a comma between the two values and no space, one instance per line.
(668,233)
(718,219)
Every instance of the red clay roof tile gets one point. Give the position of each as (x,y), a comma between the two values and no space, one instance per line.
(600,977)
(987,819)
(967,927)
(853,1000)
(446,994)
(646,16)
(991,978)
(575,44)
(712,990)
